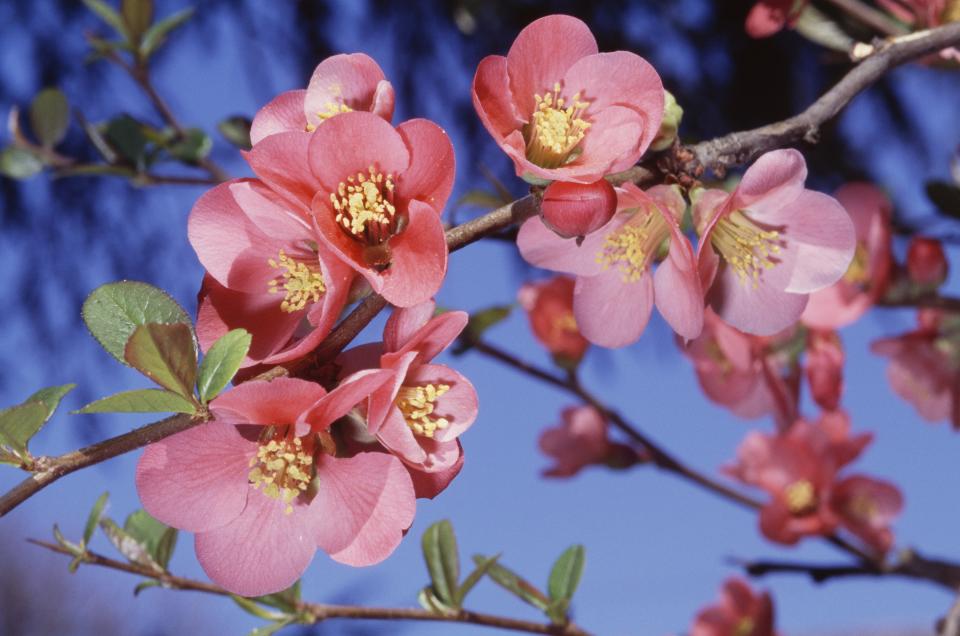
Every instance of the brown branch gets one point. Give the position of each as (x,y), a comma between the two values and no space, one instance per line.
(742,147)
(315,612)
(876,20)
(933,301)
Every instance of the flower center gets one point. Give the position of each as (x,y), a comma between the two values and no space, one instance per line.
(862,507)
(417,404)
(283,469)
(330,110)
(632,246)
(565,323)
(801,497)
(747,248)
(555,129)
(859,271)
(744,627)
(300,282)
(364,206)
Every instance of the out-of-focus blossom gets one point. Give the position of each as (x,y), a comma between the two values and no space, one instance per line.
(549,307)
(561,110)
(615,291)
(768,245)
(243,484)
(924,365)
(340,84)
(868,275)
(824,368)
(927,262)
(866,507)
(740,612)
(576,209)
(767,17)
(578,441)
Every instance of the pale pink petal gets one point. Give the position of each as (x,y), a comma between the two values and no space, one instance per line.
(771,182)
(281,160)
(435,336)
(350,143)
(363,506)
(403,324)
(762,311)
(264,550)
(381,401)
(283,114)
(610,311)
(429,177)
(458,406)
(383,100)
(492,98)
(418,258)
(429,485)
(196,480)
(836,306)
(540,246)
(397,436)
(279,401)
(678,294)
(345,79)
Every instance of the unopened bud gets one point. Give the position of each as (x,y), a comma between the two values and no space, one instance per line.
(669,125)
(576,209)
(926,262)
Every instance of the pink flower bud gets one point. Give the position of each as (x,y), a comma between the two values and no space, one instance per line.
(576,209)
(926,261)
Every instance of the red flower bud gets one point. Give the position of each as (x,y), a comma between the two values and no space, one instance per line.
(576,209)
(926,261)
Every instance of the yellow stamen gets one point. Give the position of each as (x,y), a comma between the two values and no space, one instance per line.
(301,283)
(801,497)
(565,323)
(632,246)
(556,128)
(333,109)
(364,206)
(859,271)
(952,12)
(744,627)
(746,248)
(862,507)
(283,468)
(417,404)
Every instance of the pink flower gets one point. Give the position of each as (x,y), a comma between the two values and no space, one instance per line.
(263,485)
(824,367)
(742,372)
(615,292)
(868,275)
(561,110)
(866,507)
(927,262)
(740,612)
(768,245)
(580,440)
(576,209)
(768,17)
(549,307)
(925,366)
(267,272)
(421,411)
(375,193)
(340,84)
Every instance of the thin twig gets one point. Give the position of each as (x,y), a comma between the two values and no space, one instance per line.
(876,20)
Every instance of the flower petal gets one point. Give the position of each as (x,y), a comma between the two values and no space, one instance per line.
(418,258)
(281,160)
(403,324)
(459,405)
(284,113)
(349,79)
(762,311)
(280,401)
(492,98)
(429,177)
(610,311)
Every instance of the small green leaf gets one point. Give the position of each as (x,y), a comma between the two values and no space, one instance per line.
(145,585)
(443,562)
(222,362)
(137,16)
(165,354)
(473,578)
(9,458)
(820,29)
(272,628)
(95,134)
(566,572)
(49,116)
(429,601)
(18,163)
(286,600)
(193,148)
(126,136)
(113,311)
(108,15)
(945,196)
(478,324)
(20,423)
(236,130)
(51,397)
(141,401)
(250,606)
(156,34)
(557,611)
(158,539)
(94,517)
(512,582)
(127,545)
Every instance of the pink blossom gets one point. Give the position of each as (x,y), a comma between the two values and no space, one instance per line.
(422,410)
(615,291)
(768,245)
(549,307)
(866,507)
(768,17)
(340,84)
(824,368)
(576,209)
(580,440)
(868,275)
(740,612)
(263,485)
(267,272)
(927,262)
(375,193)
(561,110)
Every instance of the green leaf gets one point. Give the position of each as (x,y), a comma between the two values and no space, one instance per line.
(145,585)
(429,601)
(192,148)
(73,548)
(126,136)
(10,458)
(129,546)
(286,600)
(222,362)
(49,116)
(250,606)
(566,572)
(18,424)
(945,196)
(51,397)
(154,37)
(478,324)
(820,29)
(165,354)
(272,628)
(137,16)
(108,15)
(443,562)
(113,311)
(557,611)
(18,163)
(473,578)
(94,518)
(141,401)
(514,583)
(158,539)
(236,130)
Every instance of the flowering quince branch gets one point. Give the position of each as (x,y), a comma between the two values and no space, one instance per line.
(311,613)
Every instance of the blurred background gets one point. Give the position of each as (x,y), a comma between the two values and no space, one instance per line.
(657,549)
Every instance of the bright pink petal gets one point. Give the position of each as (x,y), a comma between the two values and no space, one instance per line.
(340,401)
(459,405)
(610,311)
(381,401)
(418,258)
(363,506)
(429,485)
(345,79)
(196,480)
(383,100)
(283,114)
(492,98)
(350,143)
(403,324)
(429,177)
(343,247)
(280,401)
(365,356)
(281,160)
(397,436)
(435,336)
